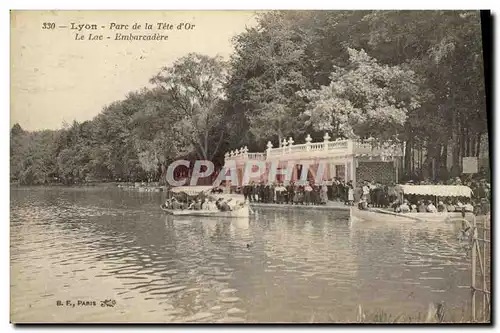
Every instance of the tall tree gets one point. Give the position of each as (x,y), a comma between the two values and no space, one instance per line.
(267,71)
(364,100)
(194,85)
(443,47)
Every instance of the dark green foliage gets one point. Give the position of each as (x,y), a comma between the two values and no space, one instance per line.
(292,74)
(289,71)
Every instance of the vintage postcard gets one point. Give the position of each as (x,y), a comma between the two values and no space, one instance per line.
(249,167)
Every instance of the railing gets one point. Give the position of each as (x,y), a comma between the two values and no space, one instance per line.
(481,258)
(368,147)
(341,144)
(346,147)
(257,156)
(363,148)
(317,146)
(298,148)
(278,151)
(477,234)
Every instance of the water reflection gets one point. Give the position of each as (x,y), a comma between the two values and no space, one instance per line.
(278,266)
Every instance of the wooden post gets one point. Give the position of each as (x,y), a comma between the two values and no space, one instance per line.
(484,270)
(473,282)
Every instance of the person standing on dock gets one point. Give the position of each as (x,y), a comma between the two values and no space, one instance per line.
(350,195)
(297,195)
(307,194)
(334,189)
(272,193)
(314,194)
(253,192)
(366,191)
(324,194)
(343,191)
(261,191)
(290,193)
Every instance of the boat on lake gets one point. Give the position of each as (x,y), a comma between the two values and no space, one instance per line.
(436,192)
(243,211)
(378,215)
(238,209)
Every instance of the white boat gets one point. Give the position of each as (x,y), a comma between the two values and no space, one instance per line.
(440,217)
(437,191)
(241,208)
(240,212)
(378,215)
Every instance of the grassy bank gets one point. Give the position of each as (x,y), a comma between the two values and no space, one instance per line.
(437,313)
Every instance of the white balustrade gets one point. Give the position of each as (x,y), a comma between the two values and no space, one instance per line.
(298,148)
(317,146)
(337,148)
(256,156)
(275,152)
(341,144)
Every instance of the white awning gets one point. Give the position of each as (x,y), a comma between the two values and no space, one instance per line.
(437,190)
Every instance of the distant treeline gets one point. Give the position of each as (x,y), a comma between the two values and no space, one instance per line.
(414,76)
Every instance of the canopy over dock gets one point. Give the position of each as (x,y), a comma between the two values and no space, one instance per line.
(437,190)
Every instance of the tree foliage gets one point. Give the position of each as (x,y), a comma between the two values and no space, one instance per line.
(194,86)
(364,99)
(412,75)
(436,56)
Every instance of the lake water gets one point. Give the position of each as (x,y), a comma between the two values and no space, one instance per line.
(91,245)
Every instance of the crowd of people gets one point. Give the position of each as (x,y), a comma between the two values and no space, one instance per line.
(202,202)
(295,193)
(375,194)
(427,206)
(366,194)
(478,203)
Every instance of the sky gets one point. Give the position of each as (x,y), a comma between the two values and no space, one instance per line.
(56,79)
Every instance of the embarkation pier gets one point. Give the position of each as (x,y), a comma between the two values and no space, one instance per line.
(347,159)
